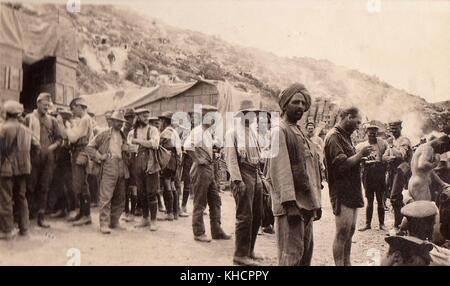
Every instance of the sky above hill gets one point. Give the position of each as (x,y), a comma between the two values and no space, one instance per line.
(405,43)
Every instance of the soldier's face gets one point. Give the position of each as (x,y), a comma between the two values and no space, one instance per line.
(43,106)
(129,119)
(310,130)
(116,124)
(372,133)
(353,122)
(143,117)
(296,107)
(396,131)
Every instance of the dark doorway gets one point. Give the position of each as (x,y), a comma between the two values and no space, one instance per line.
(35,77)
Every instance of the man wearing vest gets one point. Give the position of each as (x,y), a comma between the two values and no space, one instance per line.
(146,137)
(110,147)
(79,136)
(199,146)
(243,155)
(398,156)
(45,128)
(374,176)
(170,140)
(15,146)
(295,176)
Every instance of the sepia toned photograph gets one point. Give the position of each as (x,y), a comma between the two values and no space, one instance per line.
(225,133)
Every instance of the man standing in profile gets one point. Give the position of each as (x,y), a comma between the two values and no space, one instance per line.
(79,136)
(45,128)
(295,176)
(398,156)
(342,165)
(199,146)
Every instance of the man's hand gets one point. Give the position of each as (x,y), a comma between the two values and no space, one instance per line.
(293,213)
(68,124)
(103,157)
(240,188)
(60,121)
(366,150)
(390,140)
(126,148)
(53,147)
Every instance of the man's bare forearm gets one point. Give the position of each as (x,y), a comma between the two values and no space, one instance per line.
(351,161)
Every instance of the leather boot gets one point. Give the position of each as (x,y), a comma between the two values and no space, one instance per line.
(381,215)
(153,207)
(84,220)
(41,220)
(144,223)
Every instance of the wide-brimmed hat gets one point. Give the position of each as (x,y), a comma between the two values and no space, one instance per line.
(118,115)
(129,112)
(248,106)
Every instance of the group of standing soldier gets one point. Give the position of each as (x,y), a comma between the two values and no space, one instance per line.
(125,163)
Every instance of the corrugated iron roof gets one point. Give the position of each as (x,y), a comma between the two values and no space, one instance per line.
(165,91)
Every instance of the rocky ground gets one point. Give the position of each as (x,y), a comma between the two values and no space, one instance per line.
(172,244)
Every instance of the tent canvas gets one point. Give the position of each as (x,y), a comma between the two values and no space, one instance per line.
(38,36)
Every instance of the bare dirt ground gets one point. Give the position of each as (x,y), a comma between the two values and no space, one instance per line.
(173,243)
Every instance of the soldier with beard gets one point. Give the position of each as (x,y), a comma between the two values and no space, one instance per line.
(146,137)
(295,176)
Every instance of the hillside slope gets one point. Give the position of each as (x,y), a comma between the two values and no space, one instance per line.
(116,46)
